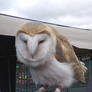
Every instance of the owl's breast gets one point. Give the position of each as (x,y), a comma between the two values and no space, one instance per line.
(54,73)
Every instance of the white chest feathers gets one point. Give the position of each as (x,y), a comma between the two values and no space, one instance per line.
(54,73)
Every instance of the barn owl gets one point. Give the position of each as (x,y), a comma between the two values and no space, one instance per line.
(51,57)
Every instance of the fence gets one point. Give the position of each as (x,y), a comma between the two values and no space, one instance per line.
(24,82)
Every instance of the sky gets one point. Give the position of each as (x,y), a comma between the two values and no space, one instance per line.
(75,13)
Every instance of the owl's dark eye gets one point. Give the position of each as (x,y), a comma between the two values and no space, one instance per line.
(42,41)
(25,41)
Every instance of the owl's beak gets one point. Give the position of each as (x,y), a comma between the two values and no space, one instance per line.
(32,55)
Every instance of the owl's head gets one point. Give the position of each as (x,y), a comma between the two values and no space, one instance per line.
(35,43)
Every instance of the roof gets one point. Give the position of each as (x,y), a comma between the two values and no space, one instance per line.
(81,38)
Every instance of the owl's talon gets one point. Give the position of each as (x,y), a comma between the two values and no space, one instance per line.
(42,89)
(58,89)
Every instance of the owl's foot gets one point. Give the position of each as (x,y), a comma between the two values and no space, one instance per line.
(58,89)
(42,89)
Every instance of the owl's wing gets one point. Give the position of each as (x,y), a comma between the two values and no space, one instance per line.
(68,55)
